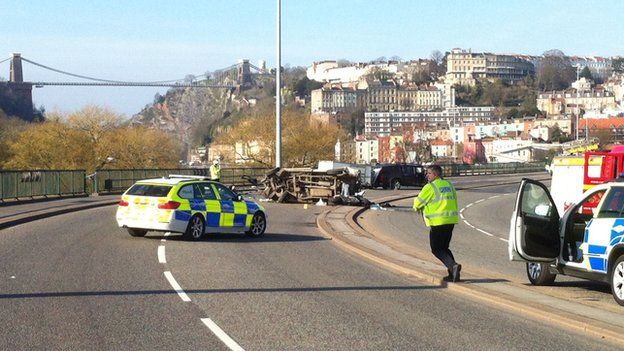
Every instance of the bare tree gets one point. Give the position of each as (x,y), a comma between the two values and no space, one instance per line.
(437,57)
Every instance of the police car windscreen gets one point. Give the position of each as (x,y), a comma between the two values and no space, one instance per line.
(149,190)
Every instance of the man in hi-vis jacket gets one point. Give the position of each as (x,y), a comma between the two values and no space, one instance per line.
(438,202)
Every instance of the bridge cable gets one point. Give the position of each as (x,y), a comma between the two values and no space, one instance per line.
(103,80)
(6,60)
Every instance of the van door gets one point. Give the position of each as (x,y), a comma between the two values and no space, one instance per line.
(534,227)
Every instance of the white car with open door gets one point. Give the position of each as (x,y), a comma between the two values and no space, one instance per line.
(586,242)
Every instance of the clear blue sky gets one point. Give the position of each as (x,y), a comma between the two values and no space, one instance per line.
(160,40)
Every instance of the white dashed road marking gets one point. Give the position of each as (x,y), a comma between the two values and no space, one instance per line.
(176,287)
(161,254)
(461,214)
(222,335)
(216,330)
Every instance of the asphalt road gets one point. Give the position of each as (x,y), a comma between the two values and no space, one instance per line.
(480,240)
(77,282)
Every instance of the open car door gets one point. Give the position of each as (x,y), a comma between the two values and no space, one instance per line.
(534,227)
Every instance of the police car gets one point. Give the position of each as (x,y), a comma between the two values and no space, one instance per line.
(190,205)
(586,242)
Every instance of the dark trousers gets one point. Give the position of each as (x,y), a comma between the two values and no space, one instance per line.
(439,239)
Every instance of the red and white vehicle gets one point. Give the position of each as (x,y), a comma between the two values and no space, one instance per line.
(574,175)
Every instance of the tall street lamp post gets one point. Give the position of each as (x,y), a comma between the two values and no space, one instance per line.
(278,93)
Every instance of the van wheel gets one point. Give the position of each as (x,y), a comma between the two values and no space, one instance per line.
(137,232)
(396,184)
(617,280)
(539,274)
(195,229)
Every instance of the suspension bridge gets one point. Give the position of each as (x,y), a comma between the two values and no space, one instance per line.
(236,76)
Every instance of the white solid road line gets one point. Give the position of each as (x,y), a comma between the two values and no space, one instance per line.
(161,254)
(222,335)
(177,287)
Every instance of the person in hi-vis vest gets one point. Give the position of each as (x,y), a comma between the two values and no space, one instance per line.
(215,171)
(438,202)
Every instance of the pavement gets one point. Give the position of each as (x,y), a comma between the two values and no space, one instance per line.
(14,213)
(340,223)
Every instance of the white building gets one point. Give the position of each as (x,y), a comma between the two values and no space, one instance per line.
(366,150)
(441,148)
(330,72)
(383,123)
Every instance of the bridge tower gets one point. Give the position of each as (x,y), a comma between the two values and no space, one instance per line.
(21,90)
(244,73)
(15,73)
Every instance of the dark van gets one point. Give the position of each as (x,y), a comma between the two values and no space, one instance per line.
(397,176)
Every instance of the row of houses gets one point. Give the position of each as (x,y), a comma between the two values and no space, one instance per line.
(381,95)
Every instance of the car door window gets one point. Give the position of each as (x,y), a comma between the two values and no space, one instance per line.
(225,193)
(206,191)
(613,206)
(535,201)
(187,192)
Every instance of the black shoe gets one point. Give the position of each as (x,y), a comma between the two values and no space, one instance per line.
(456,270)
(448,278)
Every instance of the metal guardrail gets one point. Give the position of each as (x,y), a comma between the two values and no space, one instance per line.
(118,180)
(492,168)
(20,184)
(23,184)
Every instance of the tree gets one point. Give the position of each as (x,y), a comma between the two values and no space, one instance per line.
(50,145)
(377,73)
(438,60)
(555,71)
(304,86)
(304,142)
(344,63)
(586,73)
(139,147)
(9,129)
(85,138)
(618,65)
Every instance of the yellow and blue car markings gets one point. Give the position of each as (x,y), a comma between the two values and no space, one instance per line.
(218,213)
(599,245)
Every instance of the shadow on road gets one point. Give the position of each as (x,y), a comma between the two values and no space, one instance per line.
(242,238)
(214,291)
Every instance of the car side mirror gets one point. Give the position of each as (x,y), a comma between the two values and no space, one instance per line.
(239,197)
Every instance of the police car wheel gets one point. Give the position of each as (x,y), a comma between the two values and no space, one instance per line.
(539,274)
(617,280)
(258,225)
(195,229)
(137,232)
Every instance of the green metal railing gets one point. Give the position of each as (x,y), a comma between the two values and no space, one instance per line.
(118,180)
(22,184)
(492,168)
(41,183)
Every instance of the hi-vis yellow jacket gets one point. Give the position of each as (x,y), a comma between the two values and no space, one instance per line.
(215,172)
(439,200)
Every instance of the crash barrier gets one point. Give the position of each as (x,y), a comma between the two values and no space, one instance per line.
(492,168)
(30,184)
(111,181)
